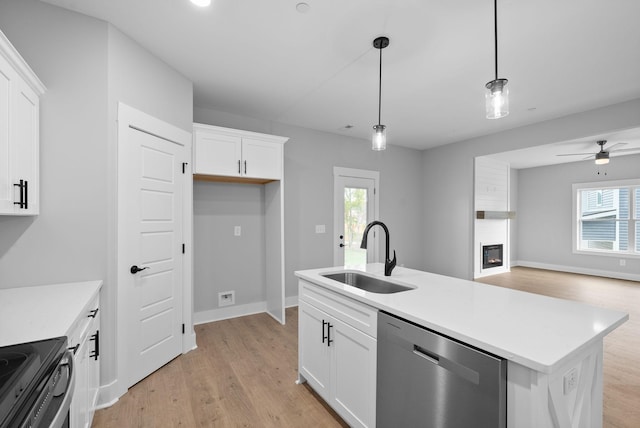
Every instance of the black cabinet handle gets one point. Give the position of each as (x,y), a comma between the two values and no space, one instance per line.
(23,185)
(324,337)
(93,313)
(245,167)
(239,167)
(135,269)
(329,339)
(74,348)
(96,348)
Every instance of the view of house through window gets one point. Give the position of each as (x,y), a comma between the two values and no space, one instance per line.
(607,217)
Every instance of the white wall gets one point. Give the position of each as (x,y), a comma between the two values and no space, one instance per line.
(448,179)
(222,261)
(308,191)
(87,66)
(545,217)
(68,240)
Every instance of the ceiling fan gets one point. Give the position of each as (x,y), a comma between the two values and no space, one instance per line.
(602,156)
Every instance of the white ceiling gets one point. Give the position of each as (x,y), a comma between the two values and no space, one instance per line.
(264,59)
(628,141)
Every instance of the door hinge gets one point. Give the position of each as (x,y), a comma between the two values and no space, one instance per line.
(182,328)
(182,248)
(184,166)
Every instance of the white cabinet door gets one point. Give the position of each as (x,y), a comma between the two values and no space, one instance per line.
(217,154)
(353,377)
(225,152)
(261,159)
(314,353)
(19,135)
(93,367)
(337,359)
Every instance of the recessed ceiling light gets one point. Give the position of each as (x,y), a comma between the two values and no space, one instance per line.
(303,7)
(348,126)
(201,3)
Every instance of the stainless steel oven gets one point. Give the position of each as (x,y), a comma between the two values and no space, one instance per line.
(36,384)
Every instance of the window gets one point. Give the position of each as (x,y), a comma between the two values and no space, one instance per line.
(606,217)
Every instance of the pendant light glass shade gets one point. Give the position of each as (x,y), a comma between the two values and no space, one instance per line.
(497,98)
(497,94)
(379,138)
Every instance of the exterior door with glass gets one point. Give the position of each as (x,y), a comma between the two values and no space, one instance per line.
(355,206)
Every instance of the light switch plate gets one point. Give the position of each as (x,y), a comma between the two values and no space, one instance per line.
(320,228)
(237,231)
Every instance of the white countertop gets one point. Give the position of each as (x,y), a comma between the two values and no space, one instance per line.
(42,312)
(535,331)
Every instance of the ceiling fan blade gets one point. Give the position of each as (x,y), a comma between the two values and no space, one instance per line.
(637,149)
(608,149)
(575,154)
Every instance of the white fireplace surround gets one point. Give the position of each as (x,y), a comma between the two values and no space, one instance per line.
(491,195)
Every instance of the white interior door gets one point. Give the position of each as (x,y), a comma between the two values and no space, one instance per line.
(355,206)
(150,237)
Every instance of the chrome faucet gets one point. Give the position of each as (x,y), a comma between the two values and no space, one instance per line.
(388,264)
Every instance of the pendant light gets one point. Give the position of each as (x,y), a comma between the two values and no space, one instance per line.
(497,92)
(379,138)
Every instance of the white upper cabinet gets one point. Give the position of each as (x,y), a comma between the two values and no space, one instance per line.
(225,152)
(20,90)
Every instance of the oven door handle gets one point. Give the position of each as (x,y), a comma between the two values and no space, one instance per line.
(63,410)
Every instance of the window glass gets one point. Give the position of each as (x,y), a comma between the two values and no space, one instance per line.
(603,216)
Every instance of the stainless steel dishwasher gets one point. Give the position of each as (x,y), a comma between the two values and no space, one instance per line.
(428,380)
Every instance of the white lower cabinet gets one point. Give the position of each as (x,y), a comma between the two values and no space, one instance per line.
(337,358)
(85,341)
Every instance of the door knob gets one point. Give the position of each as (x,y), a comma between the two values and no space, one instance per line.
(135,269)
(341,245)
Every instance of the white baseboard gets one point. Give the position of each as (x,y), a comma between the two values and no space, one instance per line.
(291,301)
(583,271)
(108,395)
(237,311)
(228,312)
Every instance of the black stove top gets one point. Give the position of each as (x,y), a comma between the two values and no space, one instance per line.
(22,369)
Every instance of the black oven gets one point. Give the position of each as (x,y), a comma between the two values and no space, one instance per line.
(36,384)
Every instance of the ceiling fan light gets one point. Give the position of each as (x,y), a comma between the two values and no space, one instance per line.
(602,158)
(497,98)
(379,138)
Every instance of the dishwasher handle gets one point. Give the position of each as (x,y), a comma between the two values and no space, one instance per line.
(423,353)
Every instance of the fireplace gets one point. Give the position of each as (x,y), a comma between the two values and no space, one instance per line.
(491,256)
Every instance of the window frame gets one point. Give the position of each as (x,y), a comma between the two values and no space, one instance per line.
(633,220)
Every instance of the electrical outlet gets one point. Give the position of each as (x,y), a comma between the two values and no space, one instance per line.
(570,380)
(226,298)
(320,228)
(237,231)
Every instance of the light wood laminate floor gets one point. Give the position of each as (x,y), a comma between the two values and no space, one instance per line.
(243,372)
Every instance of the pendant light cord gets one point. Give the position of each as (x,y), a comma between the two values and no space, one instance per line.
(380,89)
(495,32)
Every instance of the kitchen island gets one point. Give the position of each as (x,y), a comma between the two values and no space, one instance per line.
(546,341)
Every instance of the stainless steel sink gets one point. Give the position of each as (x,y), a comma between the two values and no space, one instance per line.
(366,283)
